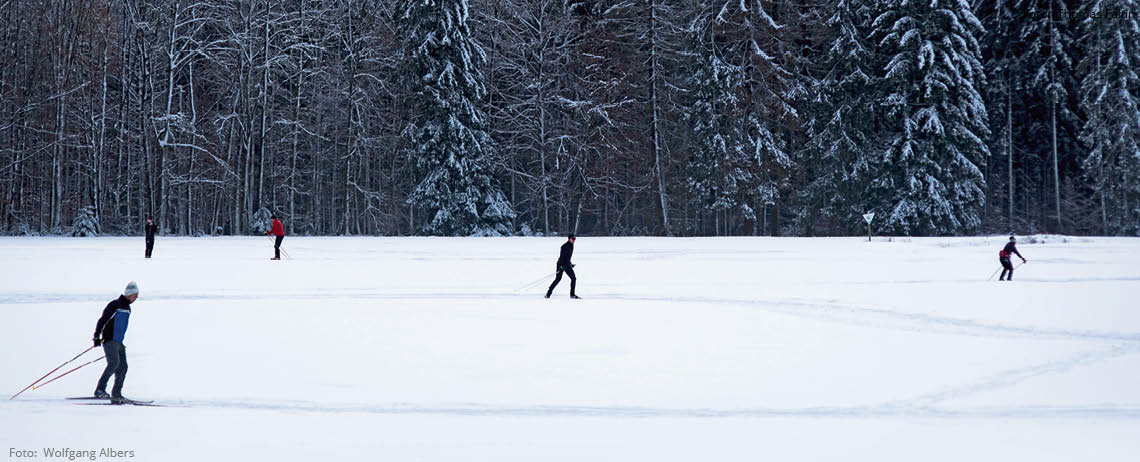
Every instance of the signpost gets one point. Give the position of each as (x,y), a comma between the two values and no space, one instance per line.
(868,217)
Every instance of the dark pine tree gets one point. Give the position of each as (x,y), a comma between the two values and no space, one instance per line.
(719,167)
(928,180)
(1109,97)
(842,127)
(447,133)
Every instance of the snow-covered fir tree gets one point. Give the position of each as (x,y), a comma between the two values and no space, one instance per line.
(86,224)
(752,38)
(719,165)
(842,127)
(1109,96)
(261,221)
(927,179)
(447,133)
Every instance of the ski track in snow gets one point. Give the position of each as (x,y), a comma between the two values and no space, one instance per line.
(1021,280)
(860,316)
(907,409)
(927,405)
(1011,377)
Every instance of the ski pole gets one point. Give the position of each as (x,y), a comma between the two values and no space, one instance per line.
(283,252)
(536,281)
(37,387)
(52,371)
(999,269)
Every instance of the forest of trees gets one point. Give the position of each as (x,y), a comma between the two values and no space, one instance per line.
(600,117)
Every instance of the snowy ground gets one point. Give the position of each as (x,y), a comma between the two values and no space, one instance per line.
(682,349)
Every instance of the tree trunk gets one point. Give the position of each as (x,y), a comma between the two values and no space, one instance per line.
(1009,144)
(264,110)
(296,130)
(657,148)
(542,141)
(1056,169)
(100,147)
(1053,119)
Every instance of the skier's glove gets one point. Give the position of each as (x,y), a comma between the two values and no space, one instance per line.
(97,341)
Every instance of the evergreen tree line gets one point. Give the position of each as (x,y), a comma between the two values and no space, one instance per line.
(603,117)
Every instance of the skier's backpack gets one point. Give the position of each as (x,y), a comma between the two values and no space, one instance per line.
(1003,254)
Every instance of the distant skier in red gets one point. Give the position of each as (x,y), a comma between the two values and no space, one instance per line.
(279,231)
(1003,257)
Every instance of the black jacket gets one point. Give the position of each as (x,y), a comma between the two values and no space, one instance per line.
(151,228)
(105,328)
(1011,249)
(565,254)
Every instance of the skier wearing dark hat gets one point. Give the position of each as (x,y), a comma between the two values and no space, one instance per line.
(109,332)
(1003,257)
(564,265)
(150,229)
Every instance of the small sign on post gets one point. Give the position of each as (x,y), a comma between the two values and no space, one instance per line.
(868,217)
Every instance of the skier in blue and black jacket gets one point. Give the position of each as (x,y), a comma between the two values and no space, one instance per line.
(110,331)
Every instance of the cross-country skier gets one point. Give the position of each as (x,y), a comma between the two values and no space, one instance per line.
(150,228)
(564,265)
(1003,257)
(279,231)
(109,332)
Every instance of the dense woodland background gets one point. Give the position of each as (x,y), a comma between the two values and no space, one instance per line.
(604,117)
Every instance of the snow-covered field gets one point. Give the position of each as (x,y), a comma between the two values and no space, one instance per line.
(682,349)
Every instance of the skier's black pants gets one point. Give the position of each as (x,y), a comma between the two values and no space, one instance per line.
(1006,266)
(558,277)
(277,246)
(116,364)
(149,247)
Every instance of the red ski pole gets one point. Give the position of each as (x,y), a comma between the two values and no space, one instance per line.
(51,372)
(37,387)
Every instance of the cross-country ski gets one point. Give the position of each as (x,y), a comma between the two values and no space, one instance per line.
(120,402)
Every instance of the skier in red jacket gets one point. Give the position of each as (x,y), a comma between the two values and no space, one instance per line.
(279,231)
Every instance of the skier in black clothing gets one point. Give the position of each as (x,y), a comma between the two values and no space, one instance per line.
(564,265)
(110,331)
(1003,257)
(151,228)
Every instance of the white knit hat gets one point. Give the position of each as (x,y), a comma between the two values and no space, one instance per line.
(132,288)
